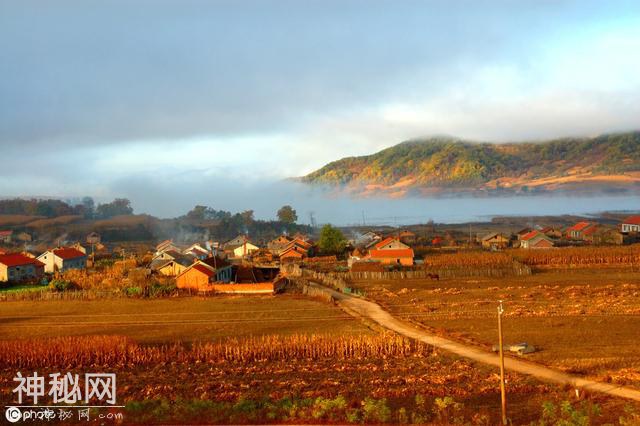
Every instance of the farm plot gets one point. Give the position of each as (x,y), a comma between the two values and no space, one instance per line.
(583,321)
(175,319)
(295,379)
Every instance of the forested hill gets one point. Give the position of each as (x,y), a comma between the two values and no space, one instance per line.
(438,164)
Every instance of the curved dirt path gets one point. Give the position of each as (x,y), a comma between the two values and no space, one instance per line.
(374,312)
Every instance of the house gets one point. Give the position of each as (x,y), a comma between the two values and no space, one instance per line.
(495,241)
(93,238)
(577,231)
(293,253)
(278,245)
(355,256)
(589,233)
(166,245)
(224,270)
(551,232)
(521,233)
(607,236)
(630,225)
(437,241)
(535,240)
(400,256)
(196,250)
(367,239)
(170,268)
(5,236)
(201,275)
(170,255)
(197,276)
(17,267)
(407,236)
(263,256)
(391,251)
(390,243)
(62,259)
(237,241)
(79,247)
(244,249)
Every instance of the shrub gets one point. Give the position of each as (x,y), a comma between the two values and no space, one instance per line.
(376,410)
(61,285)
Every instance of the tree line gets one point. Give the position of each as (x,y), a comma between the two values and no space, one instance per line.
(54,208)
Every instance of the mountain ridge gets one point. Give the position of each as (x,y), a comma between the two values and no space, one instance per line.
(447,164)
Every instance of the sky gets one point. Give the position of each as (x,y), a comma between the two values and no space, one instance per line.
(184,102)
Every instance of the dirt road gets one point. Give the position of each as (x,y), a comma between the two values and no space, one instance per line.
(374,312)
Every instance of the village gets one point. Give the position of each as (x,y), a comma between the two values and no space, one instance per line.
(244,266)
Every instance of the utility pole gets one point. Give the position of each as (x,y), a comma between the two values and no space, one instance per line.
(503,392)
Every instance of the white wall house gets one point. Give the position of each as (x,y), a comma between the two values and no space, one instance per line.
(62,259)
(630,225)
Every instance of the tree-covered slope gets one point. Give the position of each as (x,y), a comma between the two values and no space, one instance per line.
(453,163)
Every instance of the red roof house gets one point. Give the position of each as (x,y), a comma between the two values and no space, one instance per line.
(18,267)
(577,231)
(392,256)
(630,225)
(63,258)
(535,240)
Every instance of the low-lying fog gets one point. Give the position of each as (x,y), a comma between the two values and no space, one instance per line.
(266,198)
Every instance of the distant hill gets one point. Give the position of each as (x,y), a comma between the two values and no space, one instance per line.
(440,164)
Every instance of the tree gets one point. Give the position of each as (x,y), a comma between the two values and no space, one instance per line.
(247,217)
(332,241)
(119,206)
(89,206)
(287,215)
(198,213)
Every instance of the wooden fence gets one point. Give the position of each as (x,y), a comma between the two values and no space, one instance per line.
(517,269)
(48,295)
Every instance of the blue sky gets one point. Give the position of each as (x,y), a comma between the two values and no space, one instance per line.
(127,97)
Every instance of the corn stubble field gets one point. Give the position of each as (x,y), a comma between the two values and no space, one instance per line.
(292,359)
(294,378)
(580,307)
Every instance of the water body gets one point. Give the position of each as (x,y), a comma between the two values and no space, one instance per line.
(327,207)
(348,211)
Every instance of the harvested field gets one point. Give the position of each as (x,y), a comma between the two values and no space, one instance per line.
(398,382)
(584,321)
(175,319)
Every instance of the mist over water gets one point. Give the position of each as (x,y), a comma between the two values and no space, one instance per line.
(339,209)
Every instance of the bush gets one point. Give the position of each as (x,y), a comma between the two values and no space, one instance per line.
(62,285)
(376,410)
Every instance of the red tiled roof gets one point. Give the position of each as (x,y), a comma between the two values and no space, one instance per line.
(579,226)
(201,268)
(384,242)
(377,254)
(632,220)
(590,230)
(530,235)
(67,253)
(294,250)
(17,259)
